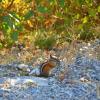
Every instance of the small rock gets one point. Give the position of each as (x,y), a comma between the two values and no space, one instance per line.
(35,72)
(1,93)
(24,67)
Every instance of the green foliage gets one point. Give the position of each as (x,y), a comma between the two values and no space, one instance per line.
(92,12)
(80,2)
(45,43)
(62,3)
(28,15)
(98,9)
(75,19)
(86,35)
(14,36)
(43,9)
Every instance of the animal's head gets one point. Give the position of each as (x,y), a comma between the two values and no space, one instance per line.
(55,61)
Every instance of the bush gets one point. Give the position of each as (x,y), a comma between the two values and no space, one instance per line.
(45,43)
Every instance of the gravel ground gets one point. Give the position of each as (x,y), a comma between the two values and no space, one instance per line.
(81,82)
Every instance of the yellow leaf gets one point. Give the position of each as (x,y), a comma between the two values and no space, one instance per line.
(17,1)
(85,19)
(77,16)
(98,8)
(30,23)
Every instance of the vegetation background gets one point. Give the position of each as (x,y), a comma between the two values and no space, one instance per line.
(46,23)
